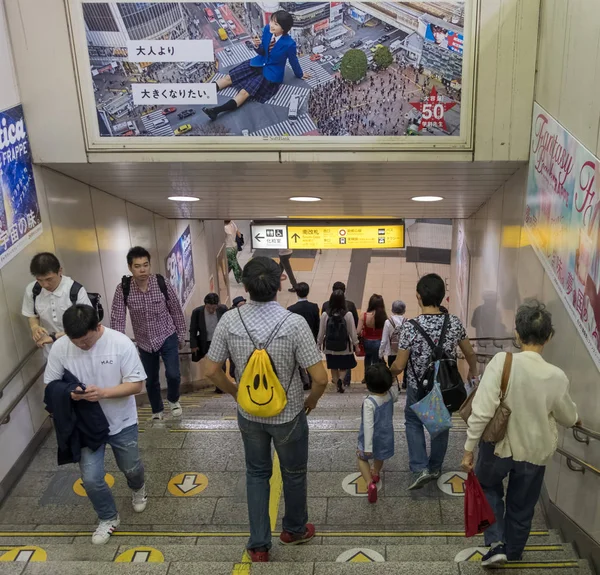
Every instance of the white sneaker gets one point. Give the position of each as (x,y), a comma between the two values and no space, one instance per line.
(139,500)
(176,410)
(104,530)
(158,416)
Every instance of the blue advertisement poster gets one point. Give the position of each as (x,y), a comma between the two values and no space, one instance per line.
(20,220)
(180,267)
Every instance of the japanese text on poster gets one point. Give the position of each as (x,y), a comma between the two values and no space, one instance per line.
(180,267)
(20,220)
(151,94)
(562,218)
(170,51)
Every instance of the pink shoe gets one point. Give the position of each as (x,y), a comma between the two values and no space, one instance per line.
(372,494)
(375,478)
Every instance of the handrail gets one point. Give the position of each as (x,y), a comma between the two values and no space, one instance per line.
(580,429)
(573,461)
(16,370)
(5,416)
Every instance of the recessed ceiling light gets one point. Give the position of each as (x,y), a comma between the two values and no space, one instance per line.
(427,199)
(184,199)
(305,199)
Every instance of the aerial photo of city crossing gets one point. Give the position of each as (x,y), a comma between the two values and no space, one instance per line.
(370,69)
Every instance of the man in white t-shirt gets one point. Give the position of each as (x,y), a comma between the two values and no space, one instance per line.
(231,235)
(45,310)
(108,365)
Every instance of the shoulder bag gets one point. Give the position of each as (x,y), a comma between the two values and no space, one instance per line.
(495,430)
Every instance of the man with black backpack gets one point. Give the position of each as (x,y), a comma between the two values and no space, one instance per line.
(427,353)
(158,327)
(48,297)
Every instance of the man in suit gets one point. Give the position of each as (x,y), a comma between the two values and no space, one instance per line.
(203,324)
(352,309)
(310,312)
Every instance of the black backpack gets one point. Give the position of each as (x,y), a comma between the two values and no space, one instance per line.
(336,337)
(448,376)
(126,287)
(73,293)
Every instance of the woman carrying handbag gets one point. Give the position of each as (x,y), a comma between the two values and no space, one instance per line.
(513,419)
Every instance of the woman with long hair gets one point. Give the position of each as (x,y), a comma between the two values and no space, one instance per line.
(261,77)
(371,327)
(337,335)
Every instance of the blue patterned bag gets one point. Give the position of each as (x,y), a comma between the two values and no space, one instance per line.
(432,412)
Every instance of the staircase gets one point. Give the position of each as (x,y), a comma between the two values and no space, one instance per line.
(45,525)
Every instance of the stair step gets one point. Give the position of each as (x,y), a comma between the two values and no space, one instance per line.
(308,568)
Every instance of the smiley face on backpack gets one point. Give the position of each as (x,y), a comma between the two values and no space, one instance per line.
(262,392)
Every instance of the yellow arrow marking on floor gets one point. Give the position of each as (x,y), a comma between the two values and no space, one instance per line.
(477,556)
(360,557)
(80,490)
(360,485)
(457,484)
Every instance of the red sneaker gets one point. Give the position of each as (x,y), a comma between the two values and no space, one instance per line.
(287,538)
(258,556)
(375,478)
(372,494)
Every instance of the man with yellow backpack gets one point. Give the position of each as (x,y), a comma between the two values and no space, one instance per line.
(268,344)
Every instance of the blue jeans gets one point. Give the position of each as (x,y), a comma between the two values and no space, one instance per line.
(151,362)
(415,437)
(91,465)
(371,351)
(291,443)
(525,482)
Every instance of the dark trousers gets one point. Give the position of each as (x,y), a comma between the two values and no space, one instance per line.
(151,362)
(287,266)
(525,481)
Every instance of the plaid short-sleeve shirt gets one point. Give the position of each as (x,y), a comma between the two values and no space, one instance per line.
(294,346)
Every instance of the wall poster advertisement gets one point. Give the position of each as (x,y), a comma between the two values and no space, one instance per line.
(563,221)
(20,219)
(180,267)
(353,71)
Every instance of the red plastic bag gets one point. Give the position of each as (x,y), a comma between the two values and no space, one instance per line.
(360,352)
(478,512)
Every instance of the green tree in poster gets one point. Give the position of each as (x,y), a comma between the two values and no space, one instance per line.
(383,58)
(354,66)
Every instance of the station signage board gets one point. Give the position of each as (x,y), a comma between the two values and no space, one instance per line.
(328,235)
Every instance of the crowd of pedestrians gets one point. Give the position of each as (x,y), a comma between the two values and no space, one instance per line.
(94,371)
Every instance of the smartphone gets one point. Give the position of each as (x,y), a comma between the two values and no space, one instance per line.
(82,391)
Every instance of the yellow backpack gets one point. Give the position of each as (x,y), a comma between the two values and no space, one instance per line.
(260,392)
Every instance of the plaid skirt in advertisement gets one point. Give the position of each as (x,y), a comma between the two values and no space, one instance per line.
(246,77)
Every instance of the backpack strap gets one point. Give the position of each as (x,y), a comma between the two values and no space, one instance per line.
(126,287)
(162,284)
(74,293)
(36,291)
(425,335)
(506,375)
(444,330)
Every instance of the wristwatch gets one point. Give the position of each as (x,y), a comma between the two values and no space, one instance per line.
(52,336)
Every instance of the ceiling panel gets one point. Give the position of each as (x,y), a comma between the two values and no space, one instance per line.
(262,190)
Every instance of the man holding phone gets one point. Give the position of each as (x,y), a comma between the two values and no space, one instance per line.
(109,367)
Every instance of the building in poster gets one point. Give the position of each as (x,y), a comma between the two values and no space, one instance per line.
(180,267)
(317,95)
(562,219)
(20,219)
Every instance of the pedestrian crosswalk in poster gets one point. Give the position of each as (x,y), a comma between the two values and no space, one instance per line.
(277,71)
(20,220)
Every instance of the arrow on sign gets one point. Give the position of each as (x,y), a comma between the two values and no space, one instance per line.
(258,237)
(456,483)
(295,237)
(360,485)
(477,556)
(188,483)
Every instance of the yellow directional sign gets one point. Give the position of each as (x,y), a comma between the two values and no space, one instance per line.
(79,489)
(456,483)
(354,484)
(453,483)
(345,237)
(360,555)
(141,555)
(187,484)
(25,554)
(360,486)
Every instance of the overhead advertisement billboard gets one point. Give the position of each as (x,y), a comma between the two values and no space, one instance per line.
(389,74)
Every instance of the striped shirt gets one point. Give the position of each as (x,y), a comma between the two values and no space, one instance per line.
(153,318)
(294,346)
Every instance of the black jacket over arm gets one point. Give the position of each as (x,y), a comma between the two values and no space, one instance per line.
(310,312)
(77,423)
(198,331)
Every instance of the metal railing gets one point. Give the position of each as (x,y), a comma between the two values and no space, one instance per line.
(16,370)
(577,464)
(5,416)
(583,434)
